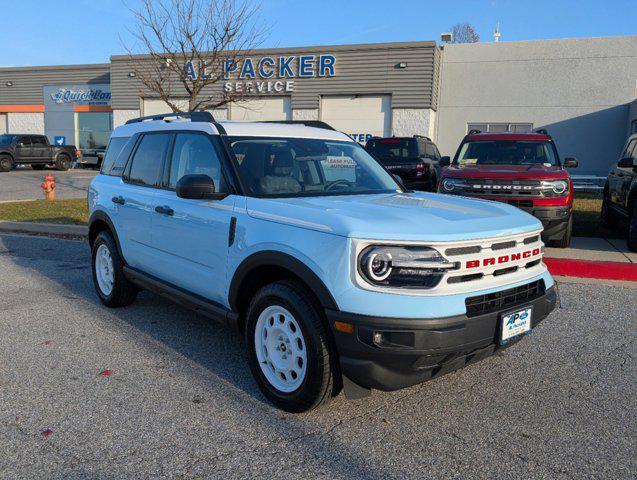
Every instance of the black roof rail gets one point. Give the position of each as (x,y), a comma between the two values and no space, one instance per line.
(543,131)
(473,132)
(307,123)
(196,116)
(423,136)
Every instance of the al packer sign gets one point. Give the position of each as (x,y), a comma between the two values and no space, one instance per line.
(269,74)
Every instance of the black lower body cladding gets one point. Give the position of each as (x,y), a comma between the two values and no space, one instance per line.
(416,350)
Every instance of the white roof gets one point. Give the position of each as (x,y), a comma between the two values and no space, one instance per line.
(243,129)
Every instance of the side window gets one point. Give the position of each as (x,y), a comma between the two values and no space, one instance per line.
(436,151)
(24,142)
(147,161)
(631,150)
(193,154)
(38,141)
(109,164)
(429,150)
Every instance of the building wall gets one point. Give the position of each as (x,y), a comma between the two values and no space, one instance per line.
(578,89)
(359,69)
(413,121)
(25,123)
(28,82)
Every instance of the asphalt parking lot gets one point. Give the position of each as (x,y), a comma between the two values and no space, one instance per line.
(23,183)
(155,390)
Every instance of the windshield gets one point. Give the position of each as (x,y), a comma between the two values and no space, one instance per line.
(307,167)
(6,139)
(389,149)
(507,152)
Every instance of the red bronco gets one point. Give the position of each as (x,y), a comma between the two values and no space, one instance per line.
(522,169)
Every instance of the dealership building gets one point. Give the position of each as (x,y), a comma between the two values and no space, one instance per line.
(583,91)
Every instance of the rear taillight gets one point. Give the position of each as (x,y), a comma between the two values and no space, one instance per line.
(419,170)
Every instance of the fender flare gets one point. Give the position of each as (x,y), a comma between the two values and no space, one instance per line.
(101,215)
(7,153)
(283,260)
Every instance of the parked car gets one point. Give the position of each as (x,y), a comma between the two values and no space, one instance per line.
(521,169)
(296,236)
(34,150)
(92,157)
(414,159)
(620,193)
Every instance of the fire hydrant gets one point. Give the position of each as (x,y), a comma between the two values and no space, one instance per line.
(48,185)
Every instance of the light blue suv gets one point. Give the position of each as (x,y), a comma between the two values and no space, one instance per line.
(293,234)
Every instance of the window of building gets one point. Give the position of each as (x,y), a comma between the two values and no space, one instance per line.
(501,127)
(147,161)
(193,154)
(93,129)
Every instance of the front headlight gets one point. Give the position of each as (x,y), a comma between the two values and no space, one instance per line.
(558,187)
(402,266)
(450,184)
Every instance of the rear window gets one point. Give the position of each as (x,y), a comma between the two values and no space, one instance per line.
(110,166)
(507,152)
(391,149)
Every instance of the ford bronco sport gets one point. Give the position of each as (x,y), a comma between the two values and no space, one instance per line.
(619,206)
(414,159)
(296,236)
(522,169)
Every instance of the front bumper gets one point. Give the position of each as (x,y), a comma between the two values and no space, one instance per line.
(554,220)
(417,350)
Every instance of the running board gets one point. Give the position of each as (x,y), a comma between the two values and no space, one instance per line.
(178,295)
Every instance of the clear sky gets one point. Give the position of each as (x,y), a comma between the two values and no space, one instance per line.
(46,32)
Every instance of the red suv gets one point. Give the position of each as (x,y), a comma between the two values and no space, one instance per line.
(522,169)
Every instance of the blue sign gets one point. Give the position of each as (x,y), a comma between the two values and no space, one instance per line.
(59,140)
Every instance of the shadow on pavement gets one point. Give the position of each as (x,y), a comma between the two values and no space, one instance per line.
(216,348)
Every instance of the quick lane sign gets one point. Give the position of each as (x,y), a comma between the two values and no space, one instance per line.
(269,74)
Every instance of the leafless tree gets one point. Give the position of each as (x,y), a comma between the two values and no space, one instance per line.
(182,46)
(464,33)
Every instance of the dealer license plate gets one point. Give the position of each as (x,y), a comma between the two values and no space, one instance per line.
(515,323)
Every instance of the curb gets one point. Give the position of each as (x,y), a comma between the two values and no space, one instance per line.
(44,228)
(592,269)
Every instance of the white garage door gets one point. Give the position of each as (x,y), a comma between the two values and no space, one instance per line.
(153,106)
(3,123)
(361,116)
(260,109)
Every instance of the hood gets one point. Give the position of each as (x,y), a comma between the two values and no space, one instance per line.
(505,171)
(414,216)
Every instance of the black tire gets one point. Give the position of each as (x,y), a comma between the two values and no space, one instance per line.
(565,241)
(606,217)
(632,228)
(322,379)
(38,166)
(6,163)
(63,162)
(123,292)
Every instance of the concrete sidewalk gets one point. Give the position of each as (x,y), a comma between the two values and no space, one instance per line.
(594,249)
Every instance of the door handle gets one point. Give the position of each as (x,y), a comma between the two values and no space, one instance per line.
(164,210)
(118,200)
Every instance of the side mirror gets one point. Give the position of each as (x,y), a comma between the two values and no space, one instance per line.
(570,162)
(444,161)
(198,187)
(627,162)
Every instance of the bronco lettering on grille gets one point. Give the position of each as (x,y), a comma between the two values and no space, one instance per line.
(502,259)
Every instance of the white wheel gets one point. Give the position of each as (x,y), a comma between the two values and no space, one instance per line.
(280,349)
(104,271)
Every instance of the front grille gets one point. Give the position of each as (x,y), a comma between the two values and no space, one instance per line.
(521,203)
(494,302)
